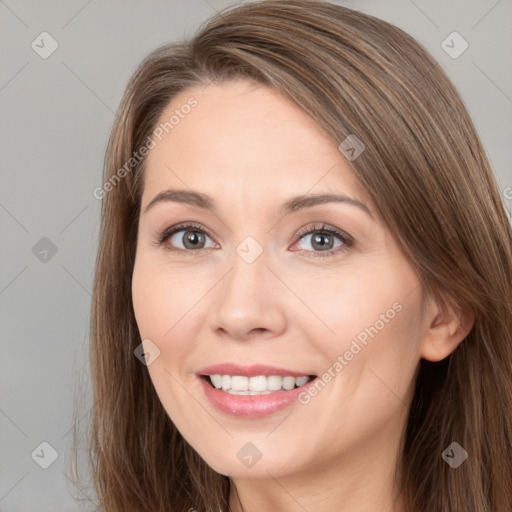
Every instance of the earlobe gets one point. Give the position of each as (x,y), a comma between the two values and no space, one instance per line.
(448,327)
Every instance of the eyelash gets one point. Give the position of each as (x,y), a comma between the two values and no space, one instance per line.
(346,240)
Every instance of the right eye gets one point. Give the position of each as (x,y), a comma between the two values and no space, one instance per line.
(189,235)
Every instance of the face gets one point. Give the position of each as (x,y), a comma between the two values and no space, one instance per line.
(240,287)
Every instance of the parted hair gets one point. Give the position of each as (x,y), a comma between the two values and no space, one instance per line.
(426,170)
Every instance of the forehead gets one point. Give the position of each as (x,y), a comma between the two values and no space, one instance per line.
(244,139)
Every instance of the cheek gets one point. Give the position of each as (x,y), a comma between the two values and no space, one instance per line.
(159,299)
(148,304)
(375,322)
(158,306)
(353,302)
(166,305)
(368,375)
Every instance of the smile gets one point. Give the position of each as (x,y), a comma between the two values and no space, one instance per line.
(257,385)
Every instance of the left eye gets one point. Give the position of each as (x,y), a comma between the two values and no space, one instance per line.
(322,241)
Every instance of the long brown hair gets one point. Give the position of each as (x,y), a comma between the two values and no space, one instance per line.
(427,172)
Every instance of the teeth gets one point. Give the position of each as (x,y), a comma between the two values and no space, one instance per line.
(274,382)
(239,383)
(260,385)
(300,381)
(226,382)
(216,380)
(289,383)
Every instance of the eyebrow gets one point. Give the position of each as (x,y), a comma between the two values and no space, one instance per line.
(292,205)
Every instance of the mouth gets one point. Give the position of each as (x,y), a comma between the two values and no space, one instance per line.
(253,391)
(255,385)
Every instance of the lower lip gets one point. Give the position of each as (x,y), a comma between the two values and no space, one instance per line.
(252,406)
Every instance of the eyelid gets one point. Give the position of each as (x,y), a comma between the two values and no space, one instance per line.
(181,226)
(322,227)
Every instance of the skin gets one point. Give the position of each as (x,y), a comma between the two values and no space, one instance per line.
(251,150)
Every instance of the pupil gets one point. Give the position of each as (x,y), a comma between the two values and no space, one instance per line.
(317,239)
(192,238)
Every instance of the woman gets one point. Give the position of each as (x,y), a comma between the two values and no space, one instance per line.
(302,294)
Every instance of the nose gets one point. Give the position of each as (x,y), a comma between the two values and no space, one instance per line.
(249,302)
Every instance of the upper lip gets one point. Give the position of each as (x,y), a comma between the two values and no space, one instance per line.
(249,371)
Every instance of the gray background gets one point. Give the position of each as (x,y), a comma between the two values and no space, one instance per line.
(56,115)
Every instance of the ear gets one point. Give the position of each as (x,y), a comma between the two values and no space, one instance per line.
(448,326)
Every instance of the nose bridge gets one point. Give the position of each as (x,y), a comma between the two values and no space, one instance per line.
(248,276)
(247,300)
